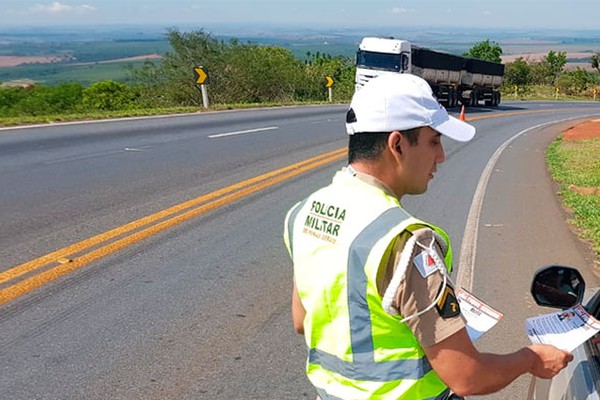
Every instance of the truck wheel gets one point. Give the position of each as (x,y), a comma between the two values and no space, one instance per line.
(494,99)
(472,99)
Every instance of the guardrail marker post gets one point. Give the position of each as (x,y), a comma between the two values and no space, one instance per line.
(202,79)
(204,95)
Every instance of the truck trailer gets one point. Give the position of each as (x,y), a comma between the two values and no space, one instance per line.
(453,79)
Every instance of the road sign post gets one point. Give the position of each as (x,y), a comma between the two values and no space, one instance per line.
(202,80)
(329,86)
(204,95)
(594,91)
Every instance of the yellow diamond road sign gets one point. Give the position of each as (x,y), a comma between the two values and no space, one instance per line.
(201,75)
(329,81)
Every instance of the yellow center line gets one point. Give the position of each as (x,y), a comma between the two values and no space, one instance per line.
(244,188)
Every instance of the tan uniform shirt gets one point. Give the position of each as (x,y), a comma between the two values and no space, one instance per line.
(416,292)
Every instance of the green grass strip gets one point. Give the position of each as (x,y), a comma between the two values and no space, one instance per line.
(575,165)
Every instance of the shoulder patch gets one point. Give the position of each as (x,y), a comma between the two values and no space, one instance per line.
(447,306)
(425,264)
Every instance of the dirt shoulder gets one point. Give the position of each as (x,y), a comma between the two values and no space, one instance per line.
(586,130)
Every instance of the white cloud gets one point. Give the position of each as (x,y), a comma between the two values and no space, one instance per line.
(487,13)
(59,8)
(399,10)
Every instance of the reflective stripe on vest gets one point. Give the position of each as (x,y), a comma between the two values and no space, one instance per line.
(323,395)
(289,234)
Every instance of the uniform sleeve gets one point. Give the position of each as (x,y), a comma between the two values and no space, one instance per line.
(420,287)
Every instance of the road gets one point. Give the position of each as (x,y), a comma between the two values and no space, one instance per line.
(142,259)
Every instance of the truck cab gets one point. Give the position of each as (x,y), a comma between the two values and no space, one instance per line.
(381,56)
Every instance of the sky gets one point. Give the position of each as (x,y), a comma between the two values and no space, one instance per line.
(518,14)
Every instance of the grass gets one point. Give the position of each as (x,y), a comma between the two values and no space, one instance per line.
(48,119)
(577,164)
(546,93)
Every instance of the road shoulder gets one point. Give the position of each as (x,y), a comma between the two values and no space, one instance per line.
(522,228)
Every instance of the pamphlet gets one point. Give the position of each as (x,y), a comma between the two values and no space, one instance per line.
(565,329)
(479,316)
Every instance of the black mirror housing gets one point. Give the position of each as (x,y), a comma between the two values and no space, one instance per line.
(557,286)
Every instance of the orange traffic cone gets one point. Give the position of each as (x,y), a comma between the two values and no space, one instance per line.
(462,113)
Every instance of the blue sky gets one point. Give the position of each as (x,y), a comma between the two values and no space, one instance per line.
(522,14)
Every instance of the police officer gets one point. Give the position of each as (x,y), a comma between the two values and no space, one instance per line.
(372,293)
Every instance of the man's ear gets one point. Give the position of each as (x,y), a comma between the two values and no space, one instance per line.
(395,142)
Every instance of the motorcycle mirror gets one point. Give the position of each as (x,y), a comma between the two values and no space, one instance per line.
(557,286)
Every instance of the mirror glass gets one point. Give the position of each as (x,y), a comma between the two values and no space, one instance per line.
(404,62)
(558,286)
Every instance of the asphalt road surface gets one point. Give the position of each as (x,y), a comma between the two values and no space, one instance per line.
(143,259)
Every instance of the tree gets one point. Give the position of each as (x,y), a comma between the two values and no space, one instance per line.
(486,50)
(554,63)
(596,61)
(258,73)
(517,73)
(171,80)
(318,66)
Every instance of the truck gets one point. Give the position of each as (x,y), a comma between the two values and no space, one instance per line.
(454,79)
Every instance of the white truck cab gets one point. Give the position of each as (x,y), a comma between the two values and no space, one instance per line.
(381,56)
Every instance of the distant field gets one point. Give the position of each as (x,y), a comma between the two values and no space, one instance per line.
(87,62)
(535,57)
(85,51)
(575,60)
(13,61)
(52,74)
(51,63)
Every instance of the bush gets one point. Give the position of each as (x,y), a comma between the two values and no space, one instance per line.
(574,82)
(41,100)
(109,96)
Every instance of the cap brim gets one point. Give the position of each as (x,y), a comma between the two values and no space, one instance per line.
(455,129)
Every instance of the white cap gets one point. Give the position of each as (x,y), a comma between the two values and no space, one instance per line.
(400,102)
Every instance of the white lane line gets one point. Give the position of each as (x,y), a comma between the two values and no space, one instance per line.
(468,249)
(270,128)
(102,154)
(82,157)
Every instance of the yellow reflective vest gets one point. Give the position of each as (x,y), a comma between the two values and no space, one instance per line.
(338,238)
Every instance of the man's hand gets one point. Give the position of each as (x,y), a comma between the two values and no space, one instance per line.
(548,360)
(298,311)
(468,372)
